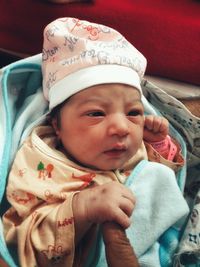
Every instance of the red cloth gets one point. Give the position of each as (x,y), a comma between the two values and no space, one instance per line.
(166,32)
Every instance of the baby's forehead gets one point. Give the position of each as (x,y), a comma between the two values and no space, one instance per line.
(105,92)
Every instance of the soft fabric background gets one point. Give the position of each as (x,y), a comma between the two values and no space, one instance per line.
(166,32)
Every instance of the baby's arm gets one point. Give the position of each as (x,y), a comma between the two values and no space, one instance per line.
(108,202)
(156,133)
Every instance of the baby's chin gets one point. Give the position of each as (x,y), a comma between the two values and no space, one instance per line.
(99,166)
(106,166)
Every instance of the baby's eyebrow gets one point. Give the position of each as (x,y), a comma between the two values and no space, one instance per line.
(135,102)
(94,99)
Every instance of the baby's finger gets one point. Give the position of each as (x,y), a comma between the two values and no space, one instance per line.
(122,219)
(127,206)
(164,127)
(127,193)
(149,122)
(157,122)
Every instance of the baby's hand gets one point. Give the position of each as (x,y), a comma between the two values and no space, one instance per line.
(155,128)
(108,202)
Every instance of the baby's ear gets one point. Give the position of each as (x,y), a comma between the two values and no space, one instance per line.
(54,123)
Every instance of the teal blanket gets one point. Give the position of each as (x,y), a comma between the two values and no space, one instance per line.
(22,106)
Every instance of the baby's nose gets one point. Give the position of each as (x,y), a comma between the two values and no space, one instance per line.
(118,125)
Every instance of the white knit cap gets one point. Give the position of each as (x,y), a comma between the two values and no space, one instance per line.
(78,54)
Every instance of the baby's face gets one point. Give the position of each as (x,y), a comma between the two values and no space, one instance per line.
(102,126)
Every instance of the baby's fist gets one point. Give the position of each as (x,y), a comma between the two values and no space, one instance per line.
(155,128)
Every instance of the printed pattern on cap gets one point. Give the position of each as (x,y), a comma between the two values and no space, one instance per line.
(71,44)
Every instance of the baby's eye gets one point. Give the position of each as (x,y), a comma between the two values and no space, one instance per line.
(134,113)
(95,114)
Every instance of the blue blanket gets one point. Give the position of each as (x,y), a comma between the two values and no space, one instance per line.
(22,106)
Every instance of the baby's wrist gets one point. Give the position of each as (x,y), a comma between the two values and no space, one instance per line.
(160,145)
(78,208)
(81,222)
(165,147)
(81,205)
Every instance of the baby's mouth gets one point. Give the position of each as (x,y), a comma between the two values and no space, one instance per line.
(115,152)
